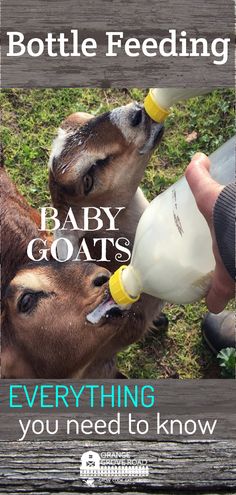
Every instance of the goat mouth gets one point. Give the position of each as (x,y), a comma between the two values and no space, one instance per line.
(106,309)
(155,135)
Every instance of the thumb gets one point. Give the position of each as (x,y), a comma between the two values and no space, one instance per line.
(221,291)
(203,187)
(215,301)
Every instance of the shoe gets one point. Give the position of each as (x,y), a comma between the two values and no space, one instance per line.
(219,330)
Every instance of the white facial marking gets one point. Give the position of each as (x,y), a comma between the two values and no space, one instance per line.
(58,145)
(34,281)
(121,118)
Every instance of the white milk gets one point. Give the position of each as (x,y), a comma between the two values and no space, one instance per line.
(172,256)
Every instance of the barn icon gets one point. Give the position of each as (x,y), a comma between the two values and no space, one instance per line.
(90,461)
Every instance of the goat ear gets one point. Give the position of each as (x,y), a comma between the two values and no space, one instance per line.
(14,365)
(76,119)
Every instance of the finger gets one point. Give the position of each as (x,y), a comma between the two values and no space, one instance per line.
(204,188)
(221,291)
(215,301)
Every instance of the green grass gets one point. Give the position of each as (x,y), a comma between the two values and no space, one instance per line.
(29,122)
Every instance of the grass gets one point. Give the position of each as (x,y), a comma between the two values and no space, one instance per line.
(29,122)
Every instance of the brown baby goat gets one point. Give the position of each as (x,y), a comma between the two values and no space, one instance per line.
(46,328)
(99,162)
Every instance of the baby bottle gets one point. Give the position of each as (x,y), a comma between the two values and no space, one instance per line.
(159,100)
(172,257)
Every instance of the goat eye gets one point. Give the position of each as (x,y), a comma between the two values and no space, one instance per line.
(27,302)
(88,183)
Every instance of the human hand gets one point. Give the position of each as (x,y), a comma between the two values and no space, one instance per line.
(206,192)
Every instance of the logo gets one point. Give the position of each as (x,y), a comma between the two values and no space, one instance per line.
(111,465)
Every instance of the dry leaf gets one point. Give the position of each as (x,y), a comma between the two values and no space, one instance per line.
(191,137)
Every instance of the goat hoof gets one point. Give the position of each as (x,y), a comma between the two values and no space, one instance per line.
(161,322)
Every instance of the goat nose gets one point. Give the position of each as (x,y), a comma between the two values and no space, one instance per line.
(101,279)
(136,116)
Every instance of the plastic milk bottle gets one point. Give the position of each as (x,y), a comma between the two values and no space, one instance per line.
(172,257)
(159,100)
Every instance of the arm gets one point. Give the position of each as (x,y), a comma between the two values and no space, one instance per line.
(224,226)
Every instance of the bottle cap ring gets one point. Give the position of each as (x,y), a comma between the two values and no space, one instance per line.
(153,109)
(117,289)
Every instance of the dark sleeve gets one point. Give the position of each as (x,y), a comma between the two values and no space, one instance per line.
(224,225)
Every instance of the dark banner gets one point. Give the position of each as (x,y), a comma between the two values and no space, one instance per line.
(121,410)
(67,44)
